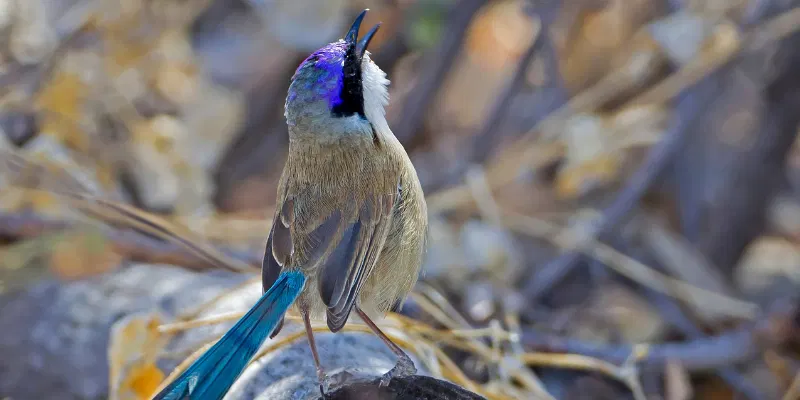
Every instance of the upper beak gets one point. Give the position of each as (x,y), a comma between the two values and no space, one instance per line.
(352,35)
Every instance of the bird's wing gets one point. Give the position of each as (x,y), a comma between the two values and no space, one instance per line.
(344,246)
(281,246)
(344,271)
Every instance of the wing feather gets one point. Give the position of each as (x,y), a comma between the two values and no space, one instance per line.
(376,216)
(280,245)
(341,242)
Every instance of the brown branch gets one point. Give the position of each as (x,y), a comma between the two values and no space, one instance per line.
(749,185)
(746,189)
(689,107)
(252,151)
(407,388)
(709,353)
(436,64)
(128,243)
(672,312)
(483,144)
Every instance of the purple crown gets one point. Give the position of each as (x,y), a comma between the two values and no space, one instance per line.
(333,73)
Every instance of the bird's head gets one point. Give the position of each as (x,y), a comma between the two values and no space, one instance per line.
(338,90)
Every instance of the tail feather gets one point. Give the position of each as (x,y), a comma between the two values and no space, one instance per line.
(210,377)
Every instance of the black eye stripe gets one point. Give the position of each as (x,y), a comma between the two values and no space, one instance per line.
(351,94)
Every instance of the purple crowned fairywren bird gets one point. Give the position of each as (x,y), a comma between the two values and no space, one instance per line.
(350,224)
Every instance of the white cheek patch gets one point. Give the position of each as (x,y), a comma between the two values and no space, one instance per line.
(376,95)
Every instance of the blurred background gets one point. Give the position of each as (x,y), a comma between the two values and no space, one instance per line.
(613,185)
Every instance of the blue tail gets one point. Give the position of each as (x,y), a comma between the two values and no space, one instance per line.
(210,376)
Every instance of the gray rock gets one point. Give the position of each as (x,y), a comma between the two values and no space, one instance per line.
(55,336)
(290,374)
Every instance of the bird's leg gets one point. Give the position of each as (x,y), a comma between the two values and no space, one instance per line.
(321,375)
(404,366)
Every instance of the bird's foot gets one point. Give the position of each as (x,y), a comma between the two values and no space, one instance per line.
(329,382)
(324,382)
(404,367)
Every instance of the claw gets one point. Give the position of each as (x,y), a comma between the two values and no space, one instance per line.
(328,383)
(322,378)
(322,392)
(404,367)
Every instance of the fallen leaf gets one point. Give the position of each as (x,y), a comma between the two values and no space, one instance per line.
(597,146)
(143,380)
(768,259)
(576,181)
(83,253)
(21,263)
(132,353)
(591,34)
(618,309)
(500,34)
(60,106)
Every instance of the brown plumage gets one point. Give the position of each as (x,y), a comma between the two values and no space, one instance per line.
(350,221)
(350,212)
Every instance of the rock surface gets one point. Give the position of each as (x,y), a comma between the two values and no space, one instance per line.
(55,336)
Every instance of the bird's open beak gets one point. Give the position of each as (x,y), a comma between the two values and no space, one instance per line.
(352,35)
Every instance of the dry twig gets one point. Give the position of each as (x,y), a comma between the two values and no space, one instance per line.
(131,244)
